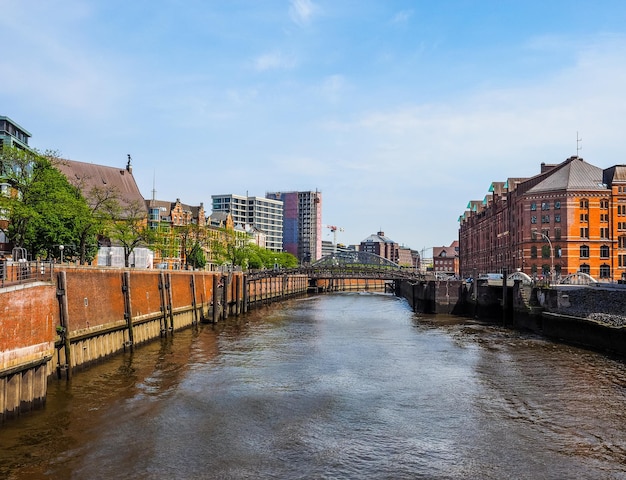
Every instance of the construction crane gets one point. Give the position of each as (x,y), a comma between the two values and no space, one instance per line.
(334,229)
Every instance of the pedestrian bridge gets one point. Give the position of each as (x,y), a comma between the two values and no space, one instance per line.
(350,265)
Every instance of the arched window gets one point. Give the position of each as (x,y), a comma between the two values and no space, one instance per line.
(584,251)
(604,203)
(545,269)
(604,251)
(545,251)
(584,268)
(605,271)
(533,252)
(584,203)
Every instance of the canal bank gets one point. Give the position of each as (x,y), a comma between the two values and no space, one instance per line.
(51,329)
(589,316)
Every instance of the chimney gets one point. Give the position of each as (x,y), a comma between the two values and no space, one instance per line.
(129,167)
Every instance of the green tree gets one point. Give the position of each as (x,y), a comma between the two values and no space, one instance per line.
(42,209)
(129,227)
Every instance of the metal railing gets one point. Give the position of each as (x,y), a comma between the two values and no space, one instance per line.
(18,272)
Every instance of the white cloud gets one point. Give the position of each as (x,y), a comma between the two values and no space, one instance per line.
(274,61)
(302,11)
(402,17)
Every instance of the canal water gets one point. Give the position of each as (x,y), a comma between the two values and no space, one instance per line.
(341,386)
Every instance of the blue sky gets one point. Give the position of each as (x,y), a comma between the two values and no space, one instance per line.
(400,112)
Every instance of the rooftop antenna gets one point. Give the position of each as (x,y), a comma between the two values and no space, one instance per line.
(578,142)
(154,185)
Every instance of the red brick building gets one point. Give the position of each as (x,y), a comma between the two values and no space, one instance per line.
(446,259)
(382,246)
(569,218)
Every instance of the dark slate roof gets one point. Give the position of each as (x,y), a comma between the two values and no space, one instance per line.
(573,174)
(378,238)
(88,176)
(615,174)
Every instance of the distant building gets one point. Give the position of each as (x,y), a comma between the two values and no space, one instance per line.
(263,213)
(12,135)
(167,218)
(328,248)
(446,259)
(302,223)
(382,246)
(174,214)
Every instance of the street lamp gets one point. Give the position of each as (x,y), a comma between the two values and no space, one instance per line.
(61,248)
(551,256)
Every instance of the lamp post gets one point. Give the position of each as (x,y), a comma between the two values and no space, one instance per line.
(551,256)
(61,248)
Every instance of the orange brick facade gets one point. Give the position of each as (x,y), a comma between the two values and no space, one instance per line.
(570,218)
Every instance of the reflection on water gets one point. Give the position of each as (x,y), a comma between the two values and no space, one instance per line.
(333,386)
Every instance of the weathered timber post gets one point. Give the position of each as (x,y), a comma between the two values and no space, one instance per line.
(214,313)
(65,323)
(192,284)
(246,294)
(170,300)
(127,309)
(504,297)
(226,295)
(237,295)
(163,304)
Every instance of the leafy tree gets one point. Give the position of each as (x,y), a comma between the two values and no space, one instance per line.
(40,206)
(192,239)
(129,226)
(196,257)
(101,202)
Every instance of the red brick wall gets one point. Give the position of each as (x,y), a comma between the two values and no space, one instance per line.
(28,318)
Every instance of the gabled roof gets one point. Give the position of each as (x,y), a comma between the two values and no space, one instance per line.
(573,174)
(88,176)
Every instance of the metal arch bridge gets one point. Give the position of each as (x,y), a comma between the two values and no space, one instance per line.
(352,265)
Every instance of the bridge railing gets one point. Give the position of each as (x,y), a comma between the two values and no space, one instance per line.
(345,271)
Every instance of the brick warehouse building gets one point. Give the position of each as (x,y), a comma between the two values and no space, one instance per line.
(569,218)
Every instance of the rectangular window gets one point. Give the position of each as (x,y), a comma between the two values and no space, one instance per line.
(584,217)
(533,207)
(557,218)
(621,258)
(545,219)
(584,232)
(604,217)
(533,219)
(604,232)
(557,233)
(545,205)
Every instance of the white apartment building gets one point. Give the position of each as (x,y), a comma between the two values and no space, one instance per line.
(263,213)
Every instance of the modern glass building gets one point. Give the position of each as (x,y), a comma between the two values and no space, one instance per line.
(302,223)
(263,213)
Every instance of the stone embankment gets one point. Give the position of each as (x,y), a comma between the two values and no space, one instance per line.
(606,305)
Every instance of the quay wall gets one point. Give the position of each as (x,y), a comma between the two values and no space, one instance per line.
(350,285)
(27,331)
(434,296)
(82,315)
